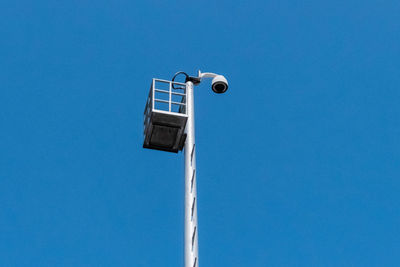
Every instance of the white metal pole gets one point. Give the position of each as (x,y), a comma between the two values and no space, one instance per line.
(191,228)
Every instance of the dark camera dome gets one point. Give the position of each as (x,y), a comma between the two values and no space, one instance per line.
(219,87)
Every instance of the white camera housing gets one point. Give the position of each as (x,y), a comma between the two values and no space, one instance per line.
(219,83)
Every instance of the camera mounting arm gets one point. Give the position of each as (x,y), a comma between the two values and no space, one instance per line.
(219,83)
(206,75)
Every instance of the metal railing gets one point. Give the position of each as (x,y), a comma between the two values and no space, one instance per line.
(165,97)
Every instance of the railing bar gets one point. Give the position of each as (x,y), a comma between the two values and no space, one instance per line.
(161,91)
(167,112)
(161,100)
(166,101)
(154,82)
(170,96)
(165,81)
(178,103)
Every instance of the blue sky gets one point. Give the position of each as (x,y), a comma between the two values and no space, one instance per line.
(297,164)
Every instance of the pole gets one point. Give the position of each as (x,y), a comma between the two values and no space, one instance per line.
(191,229)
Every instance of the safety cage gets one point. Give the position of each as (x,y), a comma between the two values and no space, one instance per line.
(165,116)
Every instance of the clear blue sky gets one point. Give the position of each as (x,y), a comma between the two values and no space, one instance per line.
(298,163)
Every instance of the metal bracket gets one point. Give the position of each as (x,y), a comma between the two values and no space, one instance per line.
(194,80)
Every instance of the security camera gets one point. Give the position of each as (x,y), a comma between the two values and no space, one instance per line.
(219,84)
